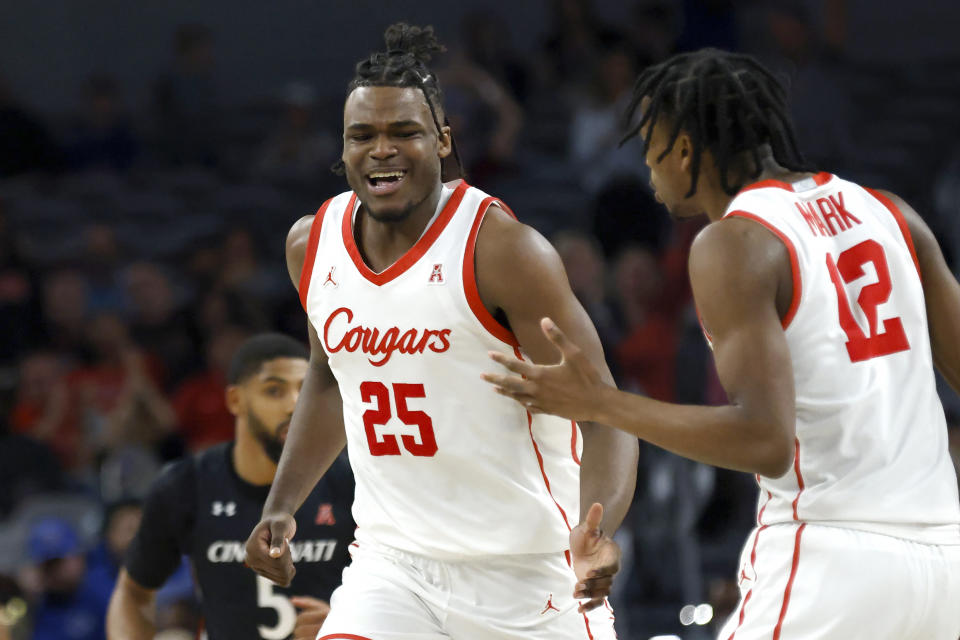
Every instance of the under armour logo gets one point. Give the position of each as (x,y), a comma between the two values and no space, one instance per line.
(228,509)
(549,605)
(330,279)
(325,515)
(436,276)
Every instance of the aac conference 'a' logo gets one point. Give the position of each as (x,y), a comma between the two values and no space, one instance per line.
(436,276)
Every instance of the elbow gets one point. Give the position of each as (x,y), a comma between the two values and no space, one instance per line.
(775,457)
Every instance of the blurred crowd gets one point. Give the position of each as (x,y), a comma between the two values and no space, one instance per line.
(138,247)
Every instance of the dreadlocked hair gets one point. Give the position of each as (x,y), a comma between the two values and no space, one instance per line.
(404,64)
(727,103)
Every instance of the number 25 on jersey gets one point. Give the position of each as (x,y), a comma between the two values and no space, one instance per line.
(386,444)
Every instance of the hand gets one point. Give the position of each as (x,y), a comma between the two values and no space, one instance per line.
(310,619)
(571,389)
(268,548)
(596,559)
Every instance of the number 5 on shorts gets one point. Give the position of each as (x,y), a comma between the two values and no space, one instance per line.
(379,415)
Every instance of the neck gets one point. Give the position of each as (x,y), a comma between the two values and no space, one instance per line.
(715,200)
(384,241)
(249,460)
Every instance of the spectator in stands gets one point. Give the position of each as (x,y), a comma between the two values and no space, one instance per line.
(65,308)
(200,402)
(69,607)
(586,270)
(647,354)
(297,150)
(485,118)
(118,393)
(43,411)
(102,262)
(598,123)
(102,136)
(187,102)
(121,520)
(14,611)
(487,44)
(158,320)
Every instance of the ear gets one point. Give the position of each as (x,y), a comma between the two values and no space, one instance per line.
(234,398)
(684,148)
(444,142)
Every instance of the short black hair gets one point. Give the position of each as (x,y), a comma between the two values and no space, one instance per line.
(727,103)
(404,63)
(263,347)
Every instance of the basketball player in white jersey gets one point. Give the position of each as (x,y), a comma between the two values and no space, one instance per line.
(467,506)
(826,305)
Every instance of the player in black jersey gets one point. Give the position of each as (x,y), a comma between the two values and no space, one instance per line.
(204,506)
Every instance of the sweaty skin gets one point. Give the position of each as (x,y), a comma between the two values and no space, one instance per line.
(518,273)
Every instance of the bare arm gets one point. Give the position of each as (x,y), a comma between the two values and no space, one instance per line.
(315,439)
(742,285)
(519,272)
(942,294)
(132,610)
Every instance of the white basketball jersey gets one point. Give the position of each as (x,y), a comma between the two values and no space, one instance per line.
(871,436)
(444,466)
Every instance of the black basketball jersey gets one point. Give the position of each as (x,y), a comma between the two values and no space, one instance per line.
(200,508)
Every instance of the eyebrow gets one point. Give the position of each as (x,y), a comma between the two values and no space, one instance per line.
(399,124)
(274,379)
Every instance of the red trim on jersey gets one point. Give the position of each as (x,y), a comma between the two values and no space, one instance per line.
(796,468)
(746,598)
(820,179)
(706,334)
(587,624)
(793,574)
(470,288)
(413,254)
(901,222)
(343,636)
(764,507)
(306,271)
(794,261)
(573,441)
(543,471)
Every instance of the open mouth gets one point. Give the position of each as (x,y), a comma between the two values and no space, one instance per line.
(385,182)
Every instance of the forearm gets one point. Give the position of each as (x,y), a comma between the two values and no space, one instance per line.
(130,616)
(725,436)
(608,472)
(315,439)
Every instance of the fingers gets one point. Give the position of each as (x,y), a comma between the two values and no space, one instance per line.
(558,338)
(591,605)
(594,587)
(594,518)
(280,534)
(513,364)
(306,602)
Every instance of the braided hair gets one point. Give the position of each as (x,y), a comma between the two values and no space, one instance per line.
(727,103)
(404,64)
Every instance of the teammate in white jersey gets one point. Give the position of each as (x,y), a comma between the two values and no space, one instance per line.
(826,305)
(467,506)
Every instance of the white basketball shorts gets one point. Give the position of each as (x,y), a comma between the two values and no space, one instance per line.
(817,582)
(389,594)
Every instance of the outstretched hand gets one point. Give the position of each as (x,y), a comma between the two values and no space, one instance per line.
(596,559)
(570,389)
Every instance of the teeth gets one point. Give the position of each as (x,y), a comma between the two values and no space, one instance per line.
(386,174)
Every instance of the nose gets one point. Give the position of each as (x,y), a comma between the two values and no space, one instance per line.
(382,148)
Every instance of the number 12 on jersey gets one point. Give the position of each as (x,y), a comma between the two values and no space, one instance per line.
(379,415)
(849,267)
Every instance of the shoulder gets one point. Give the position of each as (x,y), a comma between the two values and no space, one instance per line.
(175,481)
(297,240)
(737,266)
(505,242)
